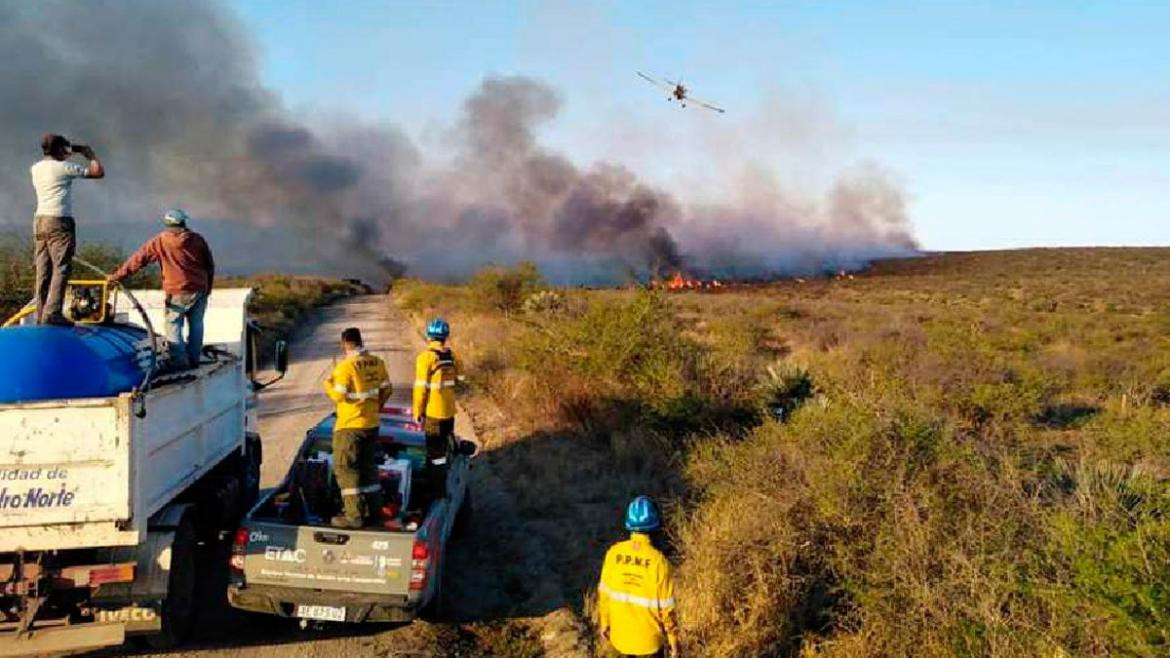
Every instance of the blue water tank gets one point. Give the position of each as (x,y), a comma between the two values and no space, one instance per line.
(58,363)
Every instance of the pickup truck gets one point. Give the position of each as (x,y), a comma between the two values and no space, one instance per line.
(288,561)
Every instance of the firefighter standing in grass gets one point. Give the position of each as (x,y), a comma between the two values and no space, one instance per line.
(360,387)
(635,597)
(434,403)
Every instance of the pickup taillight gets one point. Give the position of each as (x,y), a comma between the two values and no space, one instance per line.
(420,561)
(239,550)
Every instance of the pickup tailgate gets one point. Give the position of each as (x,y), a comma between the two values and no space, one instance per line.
(321,558)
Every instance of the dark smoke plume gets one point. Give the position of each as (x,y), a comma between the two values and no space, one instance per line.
(169,94)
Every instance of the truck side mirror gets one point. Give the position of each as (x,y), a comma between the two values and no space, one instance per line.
(281,357)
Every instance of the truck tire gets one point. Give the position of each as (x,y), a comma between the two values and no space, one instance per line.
(253,457)
(462,517)
(436,609)
(178,609)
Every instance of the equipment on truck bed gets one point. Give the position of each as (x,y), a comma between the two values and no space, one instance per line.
(391,572)
(56,363)
(101,355)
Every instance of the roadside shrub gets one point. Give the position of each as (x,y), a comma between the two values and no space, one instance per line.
(545,301)
(631,349)
(505,289)
(850,532)
(420,296)
(850,525)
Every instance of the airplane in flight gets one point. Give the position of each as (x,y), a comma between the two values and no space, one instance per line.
(679,93)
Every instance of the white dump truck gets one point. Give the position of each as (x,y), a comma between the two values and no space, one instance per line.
(110,487)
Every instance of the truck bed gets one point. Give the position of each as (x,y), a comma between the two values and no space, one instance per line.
(311,570)
(89,472)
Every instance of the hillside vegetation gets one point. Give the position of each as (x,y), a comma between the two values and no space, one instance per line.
(963,454)
(281,301)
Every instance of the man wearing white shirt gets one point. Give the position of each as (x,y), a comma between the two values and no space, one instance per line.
(54,231)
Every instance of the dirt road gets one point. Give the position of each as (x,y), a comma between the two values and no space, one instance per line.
(504,599)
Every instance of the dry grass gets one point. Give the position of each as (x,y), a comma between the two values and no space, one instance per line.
(980,470)
(981,473)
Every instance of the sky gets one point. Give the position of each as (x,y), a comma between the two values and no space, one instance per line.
(1008,124)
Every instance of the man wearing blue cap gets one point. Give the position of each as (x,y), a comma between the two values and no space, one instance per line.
(188,273)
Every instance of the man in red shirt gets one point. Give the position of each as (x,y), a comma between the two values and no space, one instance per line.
(188,272)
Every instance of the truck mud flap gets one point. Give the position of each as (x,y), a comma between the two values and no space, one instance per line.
(63,639)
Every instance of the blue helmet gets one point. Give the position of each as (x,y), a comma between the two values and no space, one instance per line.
(642,515)
(438,329)
(175,217)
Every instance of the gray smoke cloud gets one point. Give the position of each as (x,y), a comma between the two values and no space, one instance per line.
(169,94)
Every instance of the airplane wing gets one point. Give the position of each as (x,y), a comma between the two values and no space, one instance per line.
(705,104)
(668,87)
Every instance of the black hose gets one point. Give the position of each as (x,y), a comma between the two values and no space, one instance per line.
(145,386)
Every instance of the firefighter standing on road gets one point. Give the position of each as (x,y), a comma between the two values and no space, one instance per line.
(360,387)
(636,594)
(434,402)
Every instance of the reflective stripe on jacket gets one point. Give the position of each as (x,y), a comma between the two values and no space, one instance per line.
(635,597)
(434,382)
(359,386)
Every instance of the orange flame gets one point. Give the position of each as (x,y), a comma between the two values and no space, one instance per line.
(680,281)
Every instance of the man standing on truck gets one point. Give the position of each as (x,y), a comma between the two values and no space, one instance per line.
(360,387)
(434,403)
(635,597)
(54,231)
(188,273)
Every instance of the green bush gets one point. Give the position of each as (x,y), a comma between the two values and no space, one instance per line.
(505,289)
(847,533)
(544,301)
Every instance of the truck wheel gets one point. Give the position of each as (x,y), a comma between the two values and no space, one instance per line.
(178,610)
(463,516)
(253,452)
(436,609)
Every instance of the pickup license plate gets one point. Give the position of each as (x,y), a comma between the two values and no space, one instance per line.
(322,612)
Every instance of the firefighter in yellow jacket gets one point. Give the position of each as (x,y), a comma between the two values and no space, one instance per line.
(434,403)
(635,597)
(360,387)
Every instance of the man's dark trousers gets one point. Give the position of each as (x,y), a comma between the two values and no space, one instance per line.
(440,436)
(54,239)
